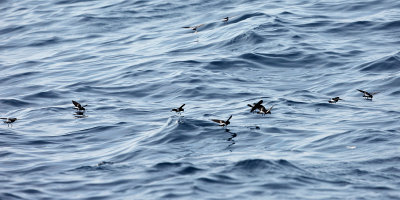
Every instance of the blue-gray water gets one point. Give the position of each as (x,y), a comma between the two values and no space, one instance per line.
(132,62)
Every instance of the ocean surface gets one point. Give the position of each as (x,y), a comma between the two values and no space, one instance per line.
(131,62)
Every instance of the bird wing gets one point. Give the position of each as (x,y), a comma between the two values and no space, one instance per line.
(229,118)
(76,104)
(218,121)
(270,108)
(182,106)
(361,91)
(259,103)
(3,118)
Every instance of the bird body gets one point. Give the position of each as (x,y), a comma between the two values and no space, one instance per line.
(8,120)
(222,122)
(78,106)
(264,111)
(334,100)
(179,110)
(226,19)
(367,95)
(193,27)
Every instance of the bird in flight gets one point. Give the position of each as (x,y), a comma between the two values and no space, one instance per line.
(264,111)
(222,122)
(255,106)
(226,19)
(368,95)
(9,120)
(335,99)
(193,27)
(179,110)
(78,106)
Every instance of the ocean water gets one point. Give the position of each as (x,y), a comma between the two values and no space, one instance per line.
(131,62)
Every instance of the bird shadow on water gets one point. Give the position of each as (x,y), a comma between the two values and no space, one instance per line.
(230,139)
(79,114)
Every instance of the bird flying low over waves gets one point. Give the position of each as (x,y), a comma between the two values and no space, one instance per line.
(222,122)
(264,111)
(226,19)
(367,95)
(78,106)
(193,27)
(255,106)
(335,99)
(9,120)
(179,110)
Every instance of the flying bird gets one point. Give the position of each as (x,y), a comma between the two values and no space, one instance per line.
(255,106)
(8,120)
(367,95)
(335,99)
(78,106)
(226,19)
(264,111)
(179,110)
(193,27)
(222,122)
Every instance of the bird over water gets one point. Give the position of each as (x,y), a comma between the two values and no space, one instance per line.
(222,122)
(368,95)
(335,99)
(78,106)
(9,120)
(264,111)
(179,110)
(255,106)
(193,27)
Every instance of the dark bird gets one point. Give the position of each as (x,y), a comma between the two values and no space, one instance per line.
(264,111)
(9,120)
(226,19)
(78,106)
(367,95)
(335,99)
(255,106)
(179,110)
(193,27)
(222,122)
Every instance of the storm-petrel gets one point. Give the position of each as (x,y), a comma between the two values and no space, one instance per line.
(334,100)
(78,106)
(179,110)
(264,111)
(222,122)
(193,27)
(255,106)
(367,95)
(226,19)
(9,120)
